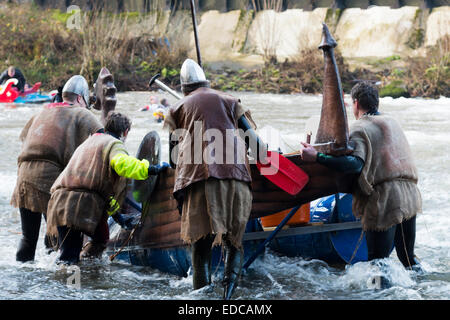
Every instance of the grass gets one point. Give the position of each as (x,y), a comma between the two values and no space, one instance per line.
(38,42)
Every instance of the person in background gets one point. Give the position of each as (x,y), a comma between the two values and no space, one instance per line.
(386,196)
(58,96)
(159,115)
(13,72)
(165,103)
(91,188)
(152,106)
(48,141)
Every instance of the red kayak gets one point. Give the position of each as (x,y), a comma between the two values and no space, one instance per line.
(7,92)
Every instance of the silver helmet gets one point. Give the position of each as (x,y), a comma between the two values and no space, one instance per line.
(191,73)
(78,85)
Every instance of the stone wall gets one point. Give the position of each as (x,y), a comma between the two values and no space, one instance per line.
(361,33)
(229,5)
(248,37)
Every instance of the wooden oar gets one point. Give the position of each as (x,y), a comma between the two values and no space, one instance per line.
(276,168)
(283,173)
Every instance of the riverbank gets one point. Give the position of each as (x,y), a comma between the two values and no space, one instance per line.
(50,46)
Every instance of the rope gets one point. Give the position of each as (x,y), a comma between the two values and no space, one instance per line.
(59,245)
(358,244)
(113,256)
(404,246)
(143,215)
(222,258)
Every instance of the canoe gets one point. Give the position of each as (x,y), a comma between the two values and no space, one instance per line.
(332,235)
(34,98)
(9,94)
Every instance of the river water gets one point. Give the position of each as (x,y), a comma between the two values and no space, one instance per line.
(427,127)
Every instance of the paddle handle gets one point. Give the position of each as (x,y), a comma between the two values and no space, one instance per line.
(245,125)
(155,80)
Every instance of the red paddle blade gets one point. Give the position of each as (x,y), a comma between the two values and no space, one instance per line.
(283,173)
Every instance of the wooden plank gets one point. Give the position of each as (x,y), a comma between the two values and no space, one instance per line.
(155,233)
(329,227)
(160,195)
(155,220)
(162,207)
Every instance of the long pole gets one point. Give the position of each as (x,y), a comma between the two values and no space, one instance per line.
(194,24)
(263,245)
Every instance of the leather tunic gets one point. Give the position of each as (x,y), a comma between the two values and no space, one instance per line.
(209,144)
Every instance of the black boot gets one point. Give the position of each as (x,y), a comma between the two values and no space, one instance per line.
(31,223)
(201,262)
(232,270)
(50,241)
(70,242)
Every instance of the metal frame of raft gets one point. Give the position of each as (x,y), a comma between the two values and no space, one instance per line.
(330,227)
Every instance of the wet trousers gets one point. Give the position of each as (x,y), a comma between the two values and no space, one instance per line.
(71,240)
(402,236)
(31,224)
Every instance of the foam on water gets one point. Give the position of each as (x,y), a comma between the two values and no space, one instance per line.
(426,124)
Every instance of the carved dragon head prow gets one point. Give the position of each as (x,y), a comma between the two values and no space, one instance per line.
(105,93)
(332,135)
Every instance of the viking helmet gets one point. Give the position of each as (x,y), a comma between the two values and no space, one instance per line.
(191,73)
(78,85)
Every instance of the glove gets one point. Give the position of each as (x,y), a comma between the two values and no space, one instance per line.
(113,206)
(164,166)
(124,222)
(156,169)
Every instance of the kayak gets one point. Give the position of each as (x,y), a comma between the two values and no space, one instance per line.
(9,94)
(34,98)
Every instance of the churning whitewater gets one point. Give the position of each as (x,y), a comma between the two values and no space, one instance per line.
(426,124)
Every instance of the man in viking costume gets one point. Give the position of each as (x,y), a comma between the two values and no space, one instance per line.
(385,195)
(212,177)
(91,188)
(49,140)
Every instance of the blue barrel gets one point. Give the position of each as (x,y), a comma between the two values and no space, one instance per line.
(351,244)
